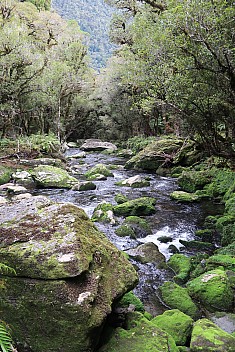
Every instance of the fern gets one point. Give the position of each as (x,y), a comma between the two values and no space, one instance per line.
(5,338)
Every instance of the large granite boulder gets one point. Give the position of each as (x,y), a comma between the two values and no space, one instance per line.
(97,145)
(51,176)
(67,276)
(156,154)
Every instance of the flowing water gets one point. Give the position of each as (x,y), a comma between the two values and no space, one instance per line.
(178,221)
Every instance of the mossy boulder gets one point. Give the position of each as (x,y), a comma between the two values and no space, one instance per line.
(50,176)
(120,198)
(140,335)
(104,213)
(207,337)
(184,197)
(134,182)
(228,250)
(68,275)
(212,290)
(136,207)
(139,226)
(131,299)
(177,297)
(125,230)
(198,245)
(221,260)
(84,186)
(155,154)
(190,181)
(147,253)
(175,323)
(100,169)
(222,183)
(5,174)
(182,266)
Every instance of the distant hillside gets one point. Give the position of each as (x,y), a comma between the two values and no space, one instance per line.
(93,17)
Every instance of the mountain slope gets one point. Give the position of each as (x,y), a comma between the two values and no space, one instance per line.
(93,17)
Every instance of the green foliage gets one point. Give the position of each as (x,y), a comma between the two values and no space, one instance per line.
(6,270)
(138,143)
(5,338)
(41,142)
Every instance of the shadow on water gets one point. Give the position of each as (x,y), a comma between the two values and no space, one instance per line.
(172,219)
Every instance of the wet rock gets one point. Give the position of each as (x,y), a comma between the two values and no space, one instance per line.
(176,324)
(164,239)
(97,177)
(97,145)
(22,196)
(134,182)
(16,189)
(125,230)
(140,335)
(173,249)
(137,207)
(130,300)
(120,198)
(139,226)
(3,200)
(98,169)
(147,253)
(181,266)
(182,196)
(5,174)
(84,186)
(72,145)
(155,154)
(198,245)
(41,161)
(177,297)
(104,213)
(225,321)
(212,290)
(81,155)
(23,178)
(50,176)
(67,275)
(208,337)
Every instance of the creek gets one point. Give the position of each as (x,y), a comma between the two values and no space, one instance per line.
(172,219)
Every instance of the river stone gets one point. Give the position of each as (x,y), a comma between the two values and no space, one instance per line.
(134,182)
(155,154)
(77,156)
(177,297)
(51,176)
(182,266)
(139,226)
(84,186)
(68,275)
(175,323)
(141,335)
(207,337)
(41,161)
(213,290)
(97,145)
(147,253)
(104,213)
(186,197)
(137,207)
(98,169)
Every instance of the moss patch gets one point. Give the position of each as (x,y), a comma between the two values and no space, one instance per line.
(137,207)
(182,266)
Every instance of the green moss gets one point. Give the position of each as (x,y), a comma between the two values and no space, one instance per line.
(177,297)
(101,212)
(98,169)
(120,198)
(51,176)
(190,181)
(125,230)
(228,250)
(139,206)
(182,266)
(139,226)
(207,337)
(131,298)
(221,182)
(186,197)
(175,323)
(218,260)
(212,290)
(198,245)
(5,174)
(141,335)
(230,206)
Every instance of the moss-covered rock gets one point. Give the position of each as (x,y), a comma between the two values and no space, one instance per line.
(184,197)
(155,155)
(221,183)
(5,174)
(51,176)
(221,260)
(120,198)
(190,181)
(139,226)
(181,266)
(131,299)
(67,275)
(177,297)
(175,323)
(134,182)
(228,250)
(198,245)
(141,335)
(147,253)
(207,337)
(136,207)
(212,290)
(104,213)
(98,169)
(84,186)
(125,230)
